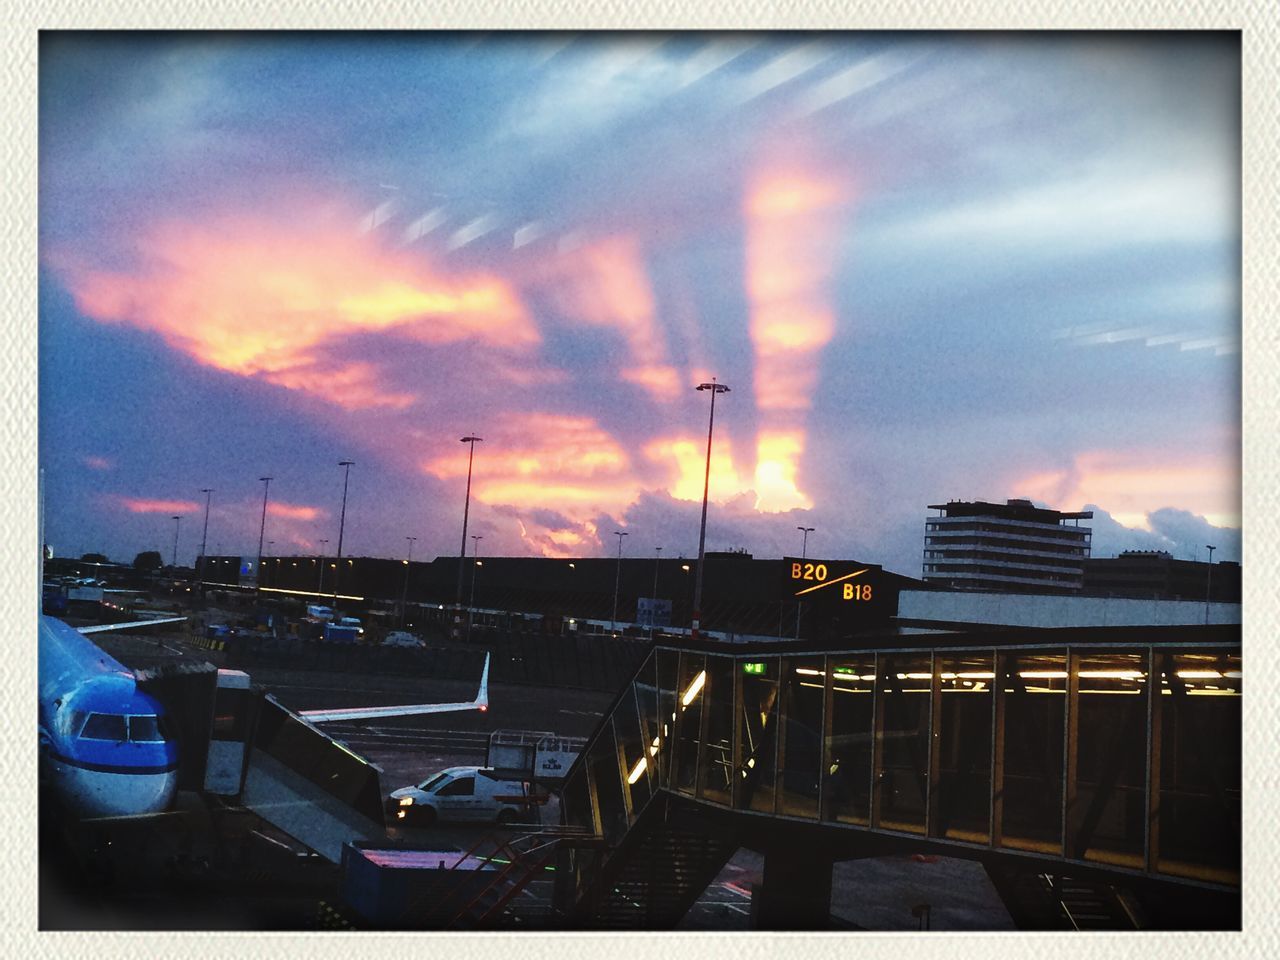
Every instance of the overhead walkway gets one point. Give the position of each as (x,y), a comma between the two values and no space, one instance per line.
(1095,773)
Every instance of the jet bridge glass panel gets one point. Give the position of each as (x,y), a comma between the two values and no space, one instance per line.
(965,746)
(1198,754)
(693,678)
(850,737)
(800,750)
(607,779)
(1107,820)
(667,663)
(631,749)
(758,734)
(716,780)
(902,708)
(1035,695)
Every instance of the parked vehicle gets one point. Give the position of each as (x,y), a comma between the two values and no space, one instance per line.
(459,794)
(402,638)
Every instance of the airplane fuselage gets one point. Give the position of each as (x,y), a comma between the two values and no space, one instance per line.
(105,749)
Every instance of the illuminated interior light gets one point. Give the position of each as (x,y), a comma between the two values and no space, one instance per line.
(1199,674)
(809,672)
(915,676)
(637,771)
(814,686)
(1210,692)
(1111,674)
(1043,674)
(653,749)
(751,763)
(977,675)
(1232,674)
(694,688)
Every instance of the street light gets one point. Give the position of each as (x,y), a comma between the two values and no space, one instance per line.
(462,553)
(475,552)
(715,388)
(617,580)
(320,585)
(1208,583)
(804,554)
(404,596)
(266,486)
(342,523)
(204,538)
(653,613)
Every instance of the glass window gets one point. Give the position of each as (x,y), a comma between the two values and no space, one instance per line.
(903,712)
(689,696)
(606,776)
(430,782)
(631,747)
(717,751)
(849,741)
(800,750)
(758,746)
(668,664)
(1035,688)
(650,726)
(104,726)
(964,743)
(1200,770)
(1109,814)
(145,729)
(462,787)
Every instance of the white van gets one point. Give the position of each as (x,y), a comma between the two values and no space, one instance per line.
(458,794)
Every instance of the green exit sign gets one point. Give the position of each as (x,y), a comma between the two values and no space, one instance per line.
(756,668)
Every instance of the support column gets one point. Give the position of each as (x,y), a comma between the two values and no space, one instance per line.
(795,891)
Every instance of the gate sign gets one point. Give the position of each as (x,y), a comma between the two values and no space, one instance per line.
(831,581)
(653,612)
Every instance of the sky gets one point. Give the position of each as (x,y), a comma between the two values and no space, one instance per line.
(929,267)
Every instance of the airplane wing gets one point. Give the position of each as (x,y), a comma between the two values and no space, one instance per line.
(105,627)
(481,702)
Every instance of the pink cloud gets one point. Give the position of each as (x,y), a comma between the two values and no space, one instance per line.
(143,505)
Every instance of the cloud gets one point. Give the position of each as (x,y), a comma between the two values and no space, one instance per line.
(144,505)
(293,511)
(1180,533)
(97,463)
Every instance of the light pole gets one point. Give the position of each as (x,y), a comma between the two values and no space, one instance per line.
(266,486)
(342,523)
(270,544)
(715,388)
(404,596)
(804,554)
(617,581)
(204,538)
(320,585)
(475,552)
(176,527)
(462,553)
(653,613)
(1208,584)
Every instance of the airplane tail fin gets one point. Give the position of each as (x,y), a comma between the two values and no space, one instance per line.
(482,696)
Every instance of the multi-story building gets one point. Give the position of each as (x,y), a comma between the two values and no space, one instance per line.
(1014,546)
(1156,573)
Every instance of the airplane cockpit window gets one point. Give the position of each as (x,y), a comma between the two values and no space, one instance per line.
(145,729)
(104,726)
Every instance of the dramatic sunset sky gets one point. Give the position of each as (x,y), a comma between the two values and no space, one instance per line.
(929,267)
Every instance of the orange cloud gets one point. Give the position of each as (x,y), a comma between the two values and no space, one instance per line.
(142,505)
(352,386)
(791,215)
(97,463)
(687,459)
(293,511)
(1128,484)
(606,284)
(260,295)
(552,461)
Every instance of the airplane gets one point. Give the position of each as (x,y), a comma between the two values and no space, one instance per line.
(105,746)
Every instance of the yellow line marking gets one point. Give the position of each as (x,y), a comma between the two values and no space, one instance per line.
(847,576)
